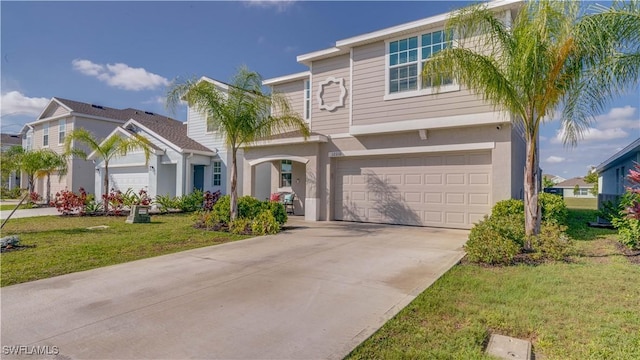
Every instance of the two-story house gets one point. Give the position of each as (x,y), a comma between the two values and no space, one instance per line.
(613,172)
(385,147)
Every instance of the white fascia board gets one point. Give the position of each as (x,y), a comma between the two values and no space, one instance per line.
(414,150)
(634,146)
(431,123)
(222,85)
(199,152)
(289,141)
(342,46)
(287,78)
(320,54)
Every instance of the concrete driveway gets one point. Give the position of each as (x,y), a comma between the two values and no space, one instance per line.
(312,292)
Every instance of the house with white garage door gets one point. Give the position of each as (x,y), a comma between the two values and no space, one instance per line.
(178,165)
(385,147)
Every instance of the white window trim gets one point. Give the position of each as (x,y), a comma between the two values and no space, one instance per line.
(45,132)
(307,100)
(62,122)
(214,173)
(283,172)
(420,92)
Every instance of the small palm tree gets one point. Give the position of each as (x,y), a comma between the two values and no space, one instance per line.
(52,162)
(241,115)
(547,57)
(10,160)
(109,148)
(30,163)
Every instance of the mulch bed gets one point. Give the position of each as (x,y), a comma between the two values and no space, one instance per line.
(632,255)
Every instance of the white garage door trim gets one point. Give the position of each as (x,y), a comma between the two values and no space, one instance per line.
(450,189)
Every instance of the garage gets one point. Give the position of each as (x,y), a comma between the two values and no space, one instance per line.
(450,190)
(134,177)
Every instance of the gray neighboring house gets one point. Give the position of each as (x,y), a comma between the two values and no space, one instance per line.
(612,172)
(7,141)
(177,166)
(569,188)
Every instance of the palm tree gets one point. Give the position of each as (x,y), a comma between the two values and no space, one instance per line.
(10,160)
(109,148)
(51,162)
(30,163)
(241,115)
(544,59)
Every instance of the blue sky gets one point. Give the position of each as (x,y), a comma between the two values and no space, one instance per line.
(123,54)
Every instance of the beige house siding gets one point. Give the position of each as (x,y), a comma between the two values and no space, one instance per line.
(369,91)
(295,93)
(325,121)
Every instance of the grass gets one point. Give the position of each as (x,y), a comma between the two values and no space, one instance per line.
(581,203)
(64,244)
(585,309)
(10,207)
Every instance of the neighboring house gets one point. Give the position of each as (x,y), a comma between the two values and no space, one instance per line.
(612,173)
(569,188)
(6,142)
(385,148)
(177,165)
(554,178)
(49,129)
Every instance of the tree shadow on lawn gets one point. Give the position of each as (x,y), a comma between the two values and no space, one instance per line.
(578,225)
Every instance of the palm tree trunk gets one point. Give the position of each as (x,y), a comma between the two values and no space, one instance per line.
(531,211)
(31,183)
(105,188)
(234,185)
(48,189)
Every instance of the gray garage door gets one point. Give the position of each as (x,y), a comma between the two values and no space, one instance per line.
(446,190)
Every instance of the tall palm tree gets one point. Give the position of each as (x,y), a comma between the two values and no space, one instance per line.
(30,162)
(241,115)
(109,148)
(544,59)
(52,162)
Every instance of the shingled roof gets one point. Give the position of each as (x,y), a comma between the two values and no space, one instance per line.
(10,139)
(571,183)
(170,129)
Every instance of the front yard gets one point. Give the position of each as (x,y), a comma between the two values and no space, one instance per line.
(585,309)
(63,244)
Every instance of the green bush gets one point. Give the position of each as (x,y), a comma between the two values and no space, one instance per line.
(166,202)
(249,207)
(510,226)
(190,202)
(277,210)
(628,231)
(207,220)
(222,209)
(265,224)
(240,226)
(489,246)
(552,243)
(553,208)
(14,193)
(508,207)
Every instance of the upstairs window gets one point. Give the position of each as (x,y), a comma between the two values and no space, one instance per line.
(285,173)
(29,141)
(62,131)
(210,126)
(307,99)
(406,58)
(45,134)
(217,173)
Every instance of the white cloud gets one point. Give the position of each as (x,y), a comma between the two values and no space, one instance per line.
(620,117)
(120,75)
(279,5)
(554,159)
(155,100)
(14,103)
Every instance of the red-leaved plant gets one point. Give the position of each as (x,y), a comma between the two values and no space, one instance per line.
(115,199)
(633,209)
(68,202)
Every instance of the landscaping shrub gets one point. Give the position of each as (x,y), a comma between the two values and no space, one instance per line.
(190,202)
(277,210)
(553,208)
(210,199)
(265,224)
(14,193)
(222,208)
(510,226)
(34,197)
(115,199)
(552,243)
(93,207)
(67,202)
(628,231)
(240,226)
(508,207)
(489,246)
(208,220)
(130,198)
(166,202)
(249,207)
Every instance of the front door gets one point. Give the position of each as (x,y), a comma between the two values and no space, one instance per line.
(198,177)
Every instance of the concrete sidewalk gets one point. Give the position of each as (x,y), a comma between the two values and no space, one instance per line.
(312,292)
(22,213)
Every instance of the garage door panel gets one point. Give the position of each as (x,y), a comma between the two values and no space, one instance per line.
(135,178)
(449,190)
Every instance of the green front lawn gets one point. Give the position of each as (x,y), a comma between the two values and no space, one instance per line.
(581,203)
(64,244)
(586,309)
(10,207)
